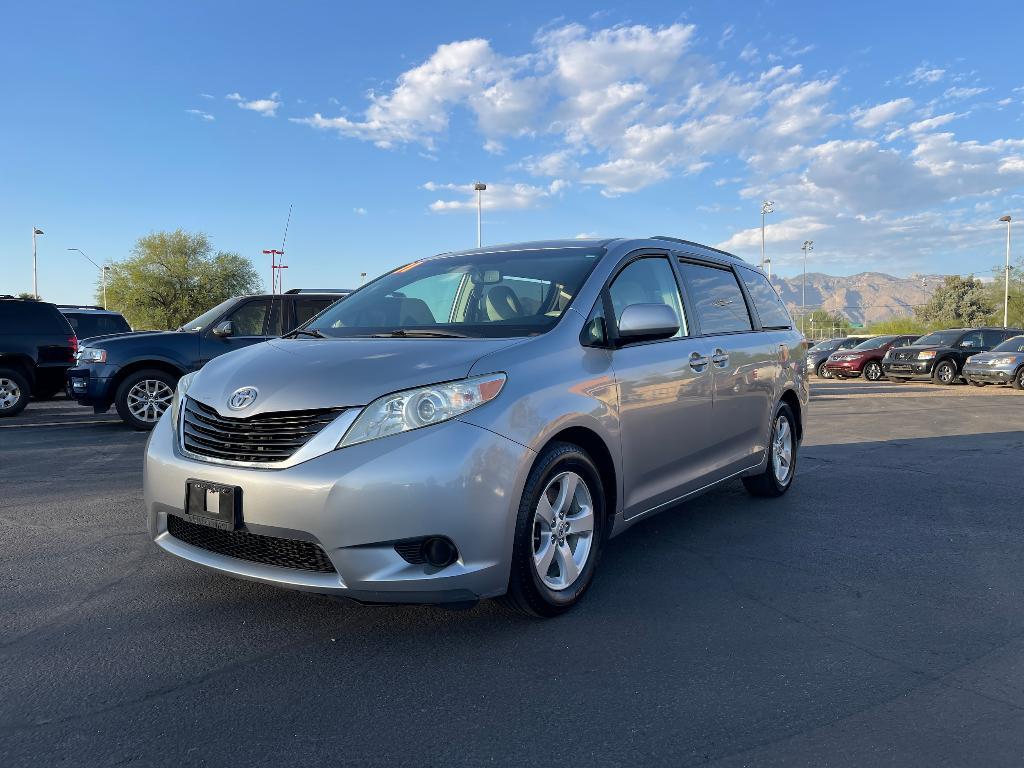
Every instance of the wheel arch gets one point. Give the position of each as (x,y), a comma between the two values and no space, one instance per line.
(23,364)
(789,397)
(595,446)
(140,365)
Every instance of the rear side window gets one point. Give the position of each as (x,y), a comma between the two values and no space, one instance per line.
(17,316)
(992,338)
(306,308)
(87,325)
(771,310)
(715,293)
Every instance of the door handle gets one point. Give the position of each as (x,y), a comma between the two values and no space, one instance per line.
(720,358)
(698,362)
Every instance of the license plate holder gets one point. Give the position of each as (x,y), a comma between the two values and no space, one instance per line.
(213,504)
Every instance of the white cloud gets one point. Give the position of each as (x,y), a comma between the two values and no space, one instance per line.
(749,53)
(925,74)
(727,34)
(880,114)
(961,92)
(494,147)
(267,107)
(359,211)
(201,114)
(496,197)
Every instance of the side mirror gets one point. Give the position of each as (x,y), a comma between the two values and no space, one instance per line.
(224,329)
(647,322)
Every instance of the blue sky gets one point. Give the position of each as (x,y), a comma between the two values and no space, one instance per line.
(892,134)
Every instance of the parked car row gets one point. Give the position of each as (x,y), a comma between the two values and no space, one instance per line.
(979,356)
(95,357)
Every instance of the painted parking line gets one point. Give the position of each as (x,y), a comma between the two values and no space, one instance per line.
(59,423)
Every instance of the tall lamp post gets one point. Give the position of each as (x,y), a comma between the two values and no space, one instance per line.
(479,187)
(103,271)
(807,246)
(1006,289)
(766,264)
(35,282)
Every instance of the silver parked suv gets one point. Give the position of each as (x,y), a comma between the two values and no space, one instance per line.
(480,423)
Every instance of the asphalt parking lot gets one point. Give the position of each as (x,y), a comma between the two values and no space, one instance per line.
(873,616)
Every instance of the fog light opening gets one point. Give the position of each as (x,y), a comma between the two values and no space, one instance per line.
(439,552)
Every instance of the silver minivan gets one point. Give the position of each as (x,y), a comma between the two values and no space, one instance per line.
(480,424)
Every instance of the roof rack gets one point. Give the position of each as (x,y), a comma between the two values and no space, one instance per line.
(697,245)
(318,290)
(81,306)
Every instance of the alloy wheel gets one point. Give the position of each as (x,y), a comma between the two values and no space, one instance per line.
(563,531)
(782,450)
(872,371)
(10,393)
(946,373)
(148,400)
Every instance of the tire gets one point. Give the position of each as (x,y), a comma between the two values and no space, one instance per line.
(143,396)
(772,483)
(873,371)
(550,479)
(1018,379)
(944,372)
(14,392)
(822,372)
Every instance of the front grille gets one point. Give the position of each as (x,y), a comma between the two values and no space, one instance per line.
(904,355)
(262,438)
(268,550)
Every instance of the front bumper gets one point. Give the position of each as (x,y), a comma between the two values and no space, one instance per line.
(453,480)
(92,384)
(909,369)
(988,374)
(846,369)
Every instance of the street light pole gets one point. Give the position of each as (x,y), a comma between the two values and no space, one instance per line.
(479,187)
(766,264)
(103,273)
(35,282)
(807,246)
(1006,289)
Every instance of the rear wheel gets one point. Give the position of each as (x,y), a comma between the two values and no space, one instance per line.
(781,466)
(559,533)
(823,372)
(143,397)
(14,392)
(873,371)
(944,373)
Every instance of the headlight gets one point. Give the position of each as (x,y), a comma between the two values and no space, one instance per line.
(926,355)
(420,407)
(1002,361)
(92,355)
(179,394)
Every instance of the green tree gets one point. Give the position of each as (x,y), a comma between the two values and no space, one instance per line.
(994,295)
(172,277)
(902,324)
(819,324)
(959,301)
(27,295)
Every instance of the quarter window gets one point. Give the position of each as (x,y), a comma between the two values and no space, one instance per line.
(721,307)
(647,281)
(771,310)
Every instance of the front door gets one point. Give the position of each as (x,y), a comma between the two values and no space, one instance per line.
(665,394)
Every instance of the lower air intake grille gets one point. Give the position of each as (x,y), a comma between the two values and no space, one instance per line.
(268,550)
(263,438)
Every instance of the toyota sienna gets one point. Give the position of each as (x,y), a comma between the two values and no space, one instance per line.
(479,424)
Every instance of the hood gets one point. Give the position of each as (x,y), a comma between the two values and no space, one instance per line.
(112,339)
(302,374)
(984,357)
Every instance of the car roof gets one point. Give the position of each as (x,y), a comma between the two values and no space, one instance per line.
(655,241)
(69,308)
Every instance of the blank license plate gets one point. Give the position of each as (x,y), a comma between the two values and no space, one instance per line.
(213,504)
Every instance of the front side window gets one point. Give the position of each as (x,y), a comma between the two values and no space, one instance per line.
(771,310)
(499,295)
(647,281)
(250,319)
(718,298)
(972,340)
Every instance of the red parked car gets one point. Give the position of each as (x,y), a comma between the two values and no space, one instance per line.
(865,358)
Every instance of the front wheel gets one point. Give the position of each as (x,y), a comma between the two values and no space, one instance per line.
(823,372)
(1018,379)
(873,371)
(945,372)
(560,530)
(143,397)
(14,392)
(781,466)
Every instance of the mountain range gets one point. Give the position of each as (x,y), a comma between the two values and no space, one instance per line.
(866,297)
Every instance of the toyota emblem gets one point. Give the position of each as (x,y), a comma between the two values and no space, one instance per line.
(242,398)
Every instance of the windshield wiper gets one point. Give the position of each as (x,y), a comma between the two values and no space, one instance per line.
(411,333)
(302,331)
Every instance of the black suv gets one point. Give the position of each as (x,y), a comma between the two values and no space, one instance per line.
(88,321)
(37,345)
(940,355)
(137,372)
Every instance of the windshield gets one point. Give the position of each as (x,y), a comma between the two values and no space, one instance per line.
(826,346)
(1016,344)
(939,339)
(497,295)
(207,317)
(875,343)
